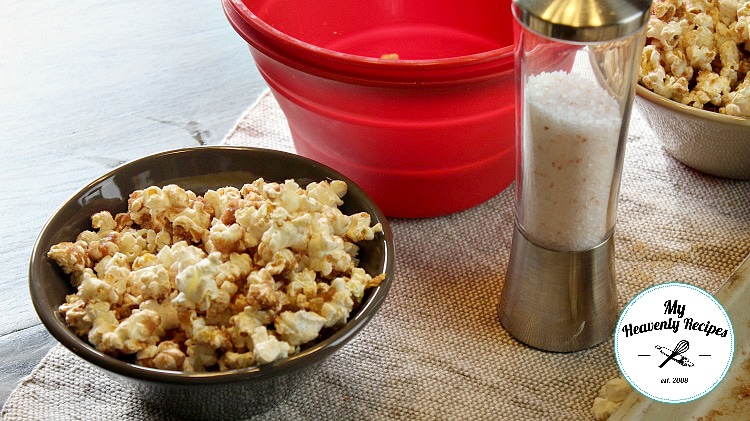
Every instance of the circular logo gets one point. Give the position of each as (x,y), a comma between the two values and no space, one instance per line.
(674,342)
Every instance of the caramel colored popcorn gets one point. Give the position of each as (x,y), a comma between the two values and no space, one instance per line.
(697,53)
(227,280)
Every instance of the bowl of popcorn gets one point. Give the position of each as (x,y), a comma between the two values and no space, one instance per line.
(694,85)
(415,102)
(212,280)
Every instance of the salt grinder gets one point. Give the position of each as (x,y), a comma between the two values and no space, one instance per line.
(576,67)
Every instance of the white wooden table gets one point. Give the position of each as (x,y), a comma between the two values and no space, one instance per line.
(86,85)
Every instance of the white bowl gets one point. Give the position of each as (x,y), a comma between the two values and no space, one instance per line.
(707,141)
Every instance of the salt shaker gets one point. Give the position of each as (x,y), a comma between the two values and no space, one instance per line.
(576,66)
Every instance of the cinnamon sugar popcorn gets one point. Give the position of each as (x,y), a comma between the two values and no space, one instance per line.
(231,279)
(698,53)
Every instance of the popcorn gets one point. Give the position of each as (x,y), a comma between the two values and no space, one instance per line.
(697,53)
(93,289)
(233,360)
(227,239)
(153,281)
(74,310)
(166,310)
(103,321)
(213,336)
(610,397)
(72,258)
(267,348)
(739,100)
(336,311)
(192,224)
(199,357)
(227,280)
(167,356)
(299,327)
(196,283)
(243,325)
(134,333)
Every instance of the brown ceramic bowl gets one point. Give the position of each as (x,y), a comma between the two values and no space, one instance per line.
(707,141)
(211,394)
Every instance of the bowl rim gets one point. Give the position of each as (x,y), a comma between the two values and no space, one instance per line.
(268,30)
(362,69)
(712,116)
(308,357)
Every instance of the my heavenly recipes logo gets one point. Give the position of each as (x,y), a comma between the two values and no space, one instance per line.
(674,342)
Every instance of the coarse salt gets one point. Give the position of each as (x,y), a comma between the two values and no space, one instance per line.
(571,135)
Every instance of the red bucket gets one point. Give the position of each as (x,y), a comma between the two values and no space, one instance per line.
(428,133)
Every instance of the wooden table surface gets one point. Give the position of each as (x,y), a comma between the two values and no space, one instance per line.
(86,85)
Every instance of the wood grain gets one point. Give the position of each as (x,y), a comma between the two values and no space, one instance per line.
(85,86)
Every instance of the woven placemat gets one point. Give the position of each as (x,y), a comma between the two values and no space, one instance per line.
(436,349)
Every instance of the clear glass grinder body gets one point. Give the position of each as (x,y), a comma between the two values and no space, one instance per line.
(576,67)
(575,101)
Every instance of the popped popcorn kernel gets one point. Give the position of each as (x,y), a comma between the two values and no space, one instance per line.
(299,327)
(134,333)
(267,348)
(233,360)
(610,397)
(167,355)
(196,283)
(153,281)
(230,279)
(93,289)
(72,259)
(74,310)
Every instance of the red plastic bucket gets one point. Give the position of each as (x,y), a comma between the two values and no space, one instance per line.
(427,134)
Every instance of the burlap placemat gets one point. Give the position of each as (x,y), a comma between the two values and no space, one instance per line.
(436,350)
